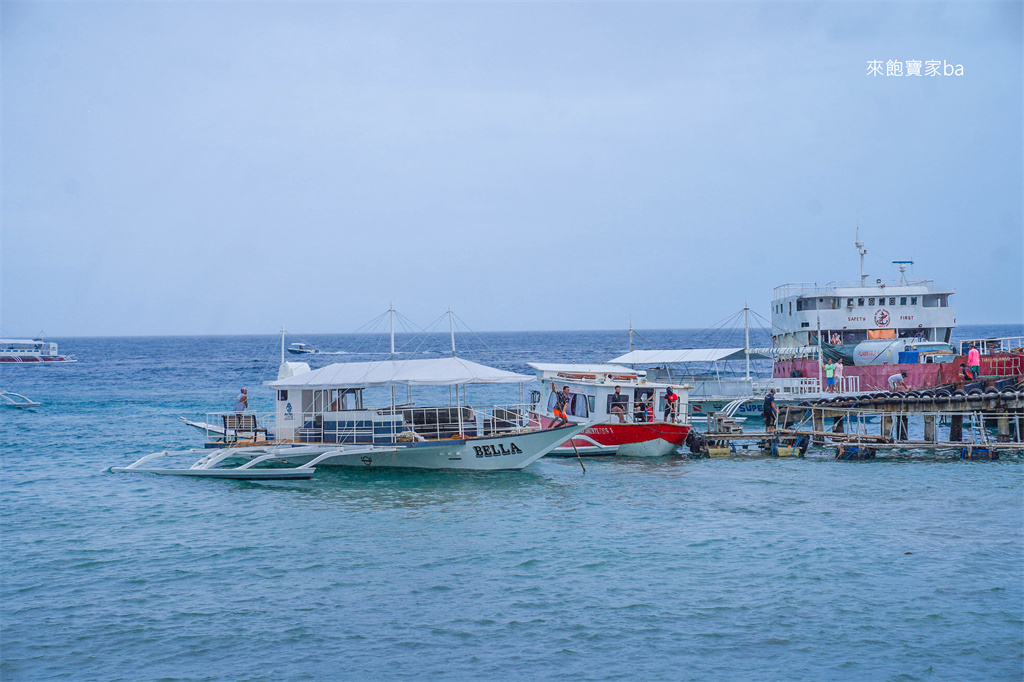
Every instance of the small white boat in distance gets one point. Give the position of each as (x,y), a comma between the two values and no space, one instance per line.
(302,349)
(323,419)
(30,351)
(11,399)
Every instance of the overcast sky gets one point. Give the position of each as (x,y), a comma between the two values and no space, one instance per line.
(222,167)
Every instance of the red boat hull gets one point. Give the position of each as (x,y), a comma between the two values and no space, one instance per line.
(651,439)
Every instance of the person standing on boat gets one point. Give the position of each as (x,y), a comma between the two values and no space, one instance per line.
(770,412)
(965,373)
(242,401)
(561,407)
(671,403)
(974,360)
(619,404)
(839,375)
(830,377)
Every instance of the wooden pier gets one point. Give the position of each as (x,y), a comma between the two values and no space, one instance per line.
(980,424)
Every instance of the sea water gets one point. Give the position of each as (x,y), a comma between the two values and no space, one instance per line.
(903,568)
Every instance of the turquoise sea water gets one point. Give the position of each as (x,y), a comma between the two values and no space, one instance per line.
(729,569)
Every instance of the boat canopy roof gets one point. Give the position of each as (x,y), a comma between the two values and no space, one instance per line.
(585,369)
(425,372)
(672,357)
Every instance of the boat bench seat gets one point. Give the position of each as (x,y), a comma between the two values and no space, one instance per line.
(440,422)
(242,426)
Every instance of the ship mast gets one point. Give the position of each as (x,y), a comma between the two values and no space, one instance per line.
(746,333)
(862,251)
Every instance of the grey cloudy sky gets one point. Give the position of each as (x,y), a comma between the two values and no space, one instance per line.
(194,168)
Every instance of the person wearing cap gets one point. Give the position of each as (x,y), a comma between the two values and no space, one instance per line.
(898,380)
(671,403)
(242,401)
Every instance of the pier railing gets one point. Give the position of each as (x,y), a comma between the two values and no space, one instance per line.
(1005,344)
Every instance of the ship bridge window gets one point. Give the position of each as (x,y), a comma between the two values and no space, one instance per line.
(892,300)
(849,303)
(860,301)
(913,300)
(805,324)
(871,301)
(903,300)
(932,301)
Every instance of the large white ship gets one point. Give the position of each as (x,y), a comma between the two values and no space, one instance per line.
(876,327)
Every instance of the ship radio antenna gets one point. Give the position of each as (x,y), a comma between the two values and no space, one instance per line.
(862,251)
(630,333)
(282,344)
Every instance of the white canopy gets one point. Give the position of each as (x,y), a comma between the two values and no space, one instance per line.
(582,369)
(671,357)
(427,372)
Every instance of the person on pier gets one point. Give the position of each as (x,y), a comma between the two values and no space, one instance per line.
(770,411)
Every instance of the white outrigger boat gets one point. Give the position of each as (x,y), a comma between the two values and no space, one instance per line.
(12,399)
(322,419)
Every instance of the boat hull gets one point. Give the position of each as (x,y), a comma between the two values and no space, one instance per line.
(293,461)
(495,453)
(650,439)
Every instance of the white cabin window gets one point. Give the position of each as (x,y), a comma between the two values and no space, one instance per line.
(860,301)
(892,300)
(903,300)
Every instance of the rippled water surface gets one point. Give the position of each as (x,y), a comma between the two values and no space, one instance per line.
(742,568)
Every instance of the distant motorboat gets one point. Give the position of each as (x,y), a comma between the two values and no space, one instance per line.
(302,349)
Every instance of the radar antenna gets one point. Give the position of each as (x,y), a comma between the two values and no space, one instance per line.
(903,269)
